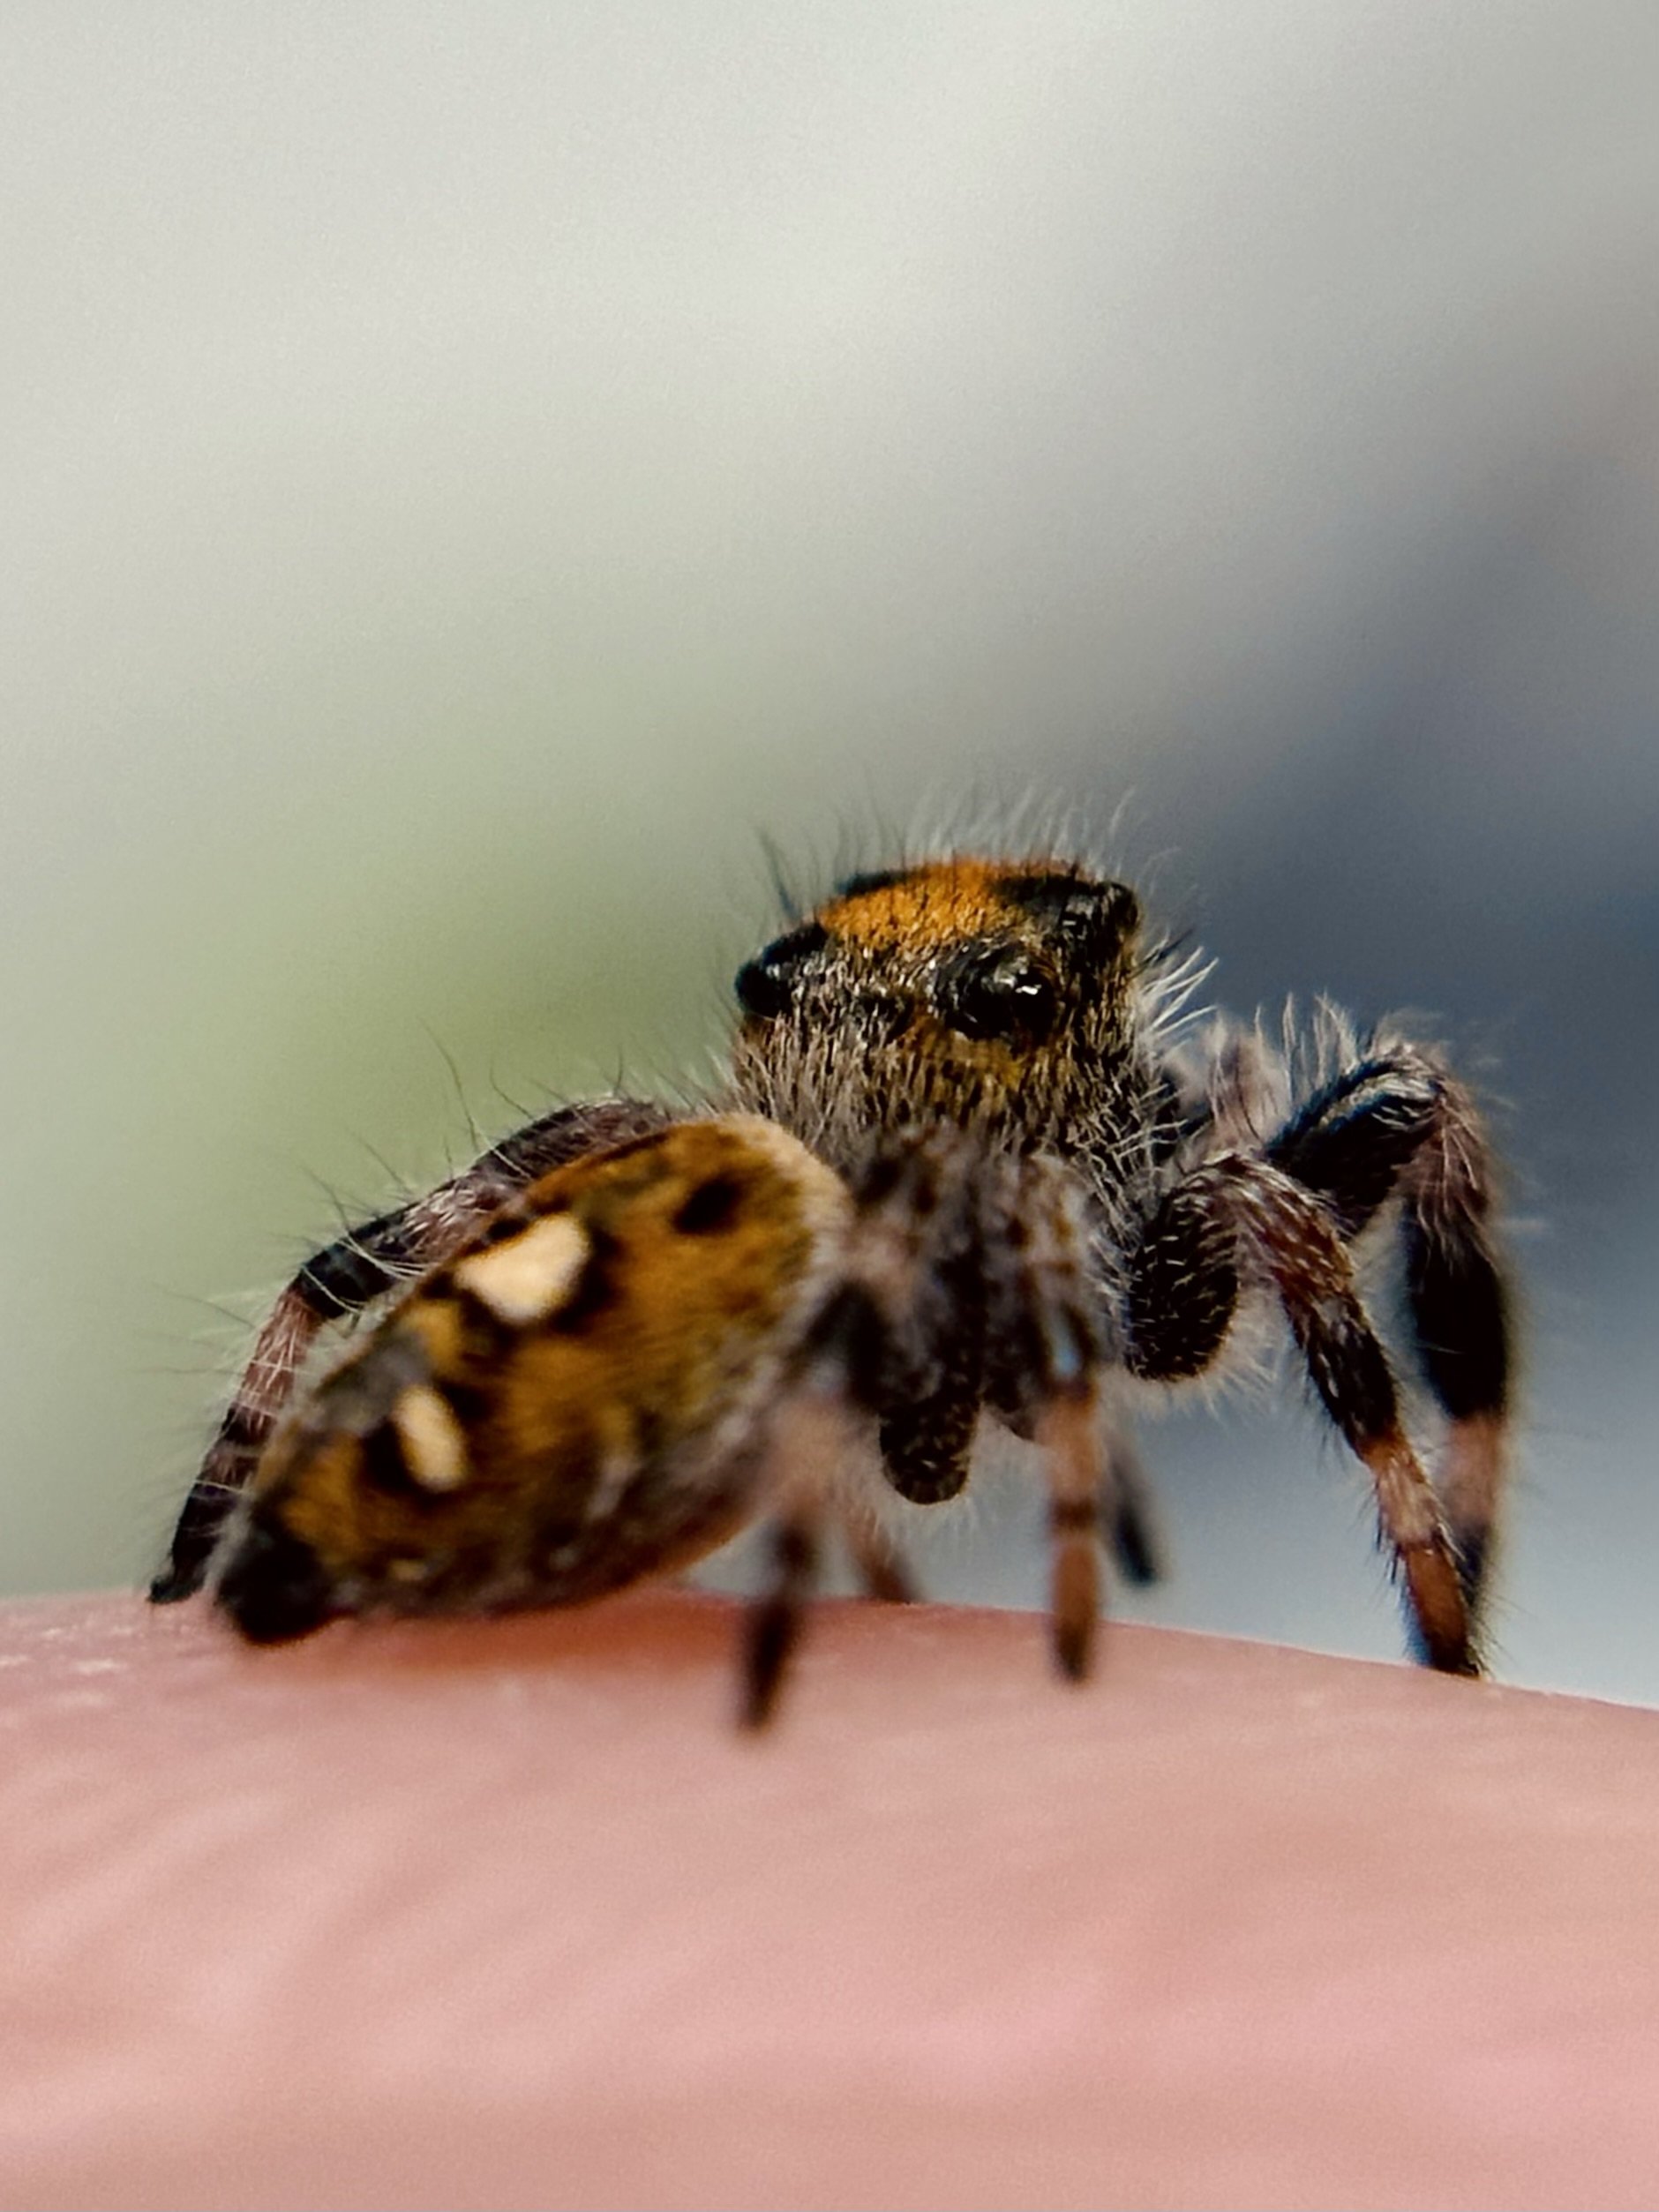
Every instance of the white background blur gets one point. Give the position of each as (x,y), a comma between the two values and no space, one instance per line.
(470,470)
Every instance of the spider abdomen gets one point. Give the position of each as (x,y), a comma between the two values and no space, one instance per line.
(576,1399)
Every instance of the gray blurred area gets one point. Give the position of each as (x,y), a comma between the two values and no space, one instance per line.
(472,472)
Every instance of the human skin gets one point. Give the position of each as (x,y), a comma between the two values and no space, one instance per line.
(508,1913)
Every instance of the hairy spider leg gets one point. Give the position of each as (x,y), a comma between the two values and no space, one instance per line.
(1396,1120)
(1131,1527)
(1237,1214)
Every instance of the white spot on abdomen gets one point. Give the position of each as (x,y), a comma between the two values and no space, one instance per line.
(433,1445)
(531,1275)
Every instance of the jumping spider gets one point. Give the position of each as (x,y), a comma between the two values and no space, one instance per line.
(970,1163)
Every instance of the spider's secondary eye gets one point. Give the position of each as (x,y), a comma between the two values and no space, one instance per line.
(766,986)
(1092,921)
(1005,995)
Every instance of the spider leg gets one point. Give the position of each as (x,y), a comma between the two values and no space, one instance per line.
(776,1620)
(1461,1311)
(348,1276)
(343,1278)
(808,1439)
(1069,1432)
(817,1432)
(881,1564)
(1131,1528)
(1396,1121)
(1129,1522)
(1240,1212)
(1043,1361)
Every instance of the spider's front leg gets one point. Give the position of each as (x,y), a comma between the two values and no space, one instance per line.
(1239,1215)
(345,1278)
(1043,1363)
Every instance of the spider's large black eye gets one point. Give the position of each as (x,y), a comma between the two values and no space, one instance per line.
(1003,994)
(766,986)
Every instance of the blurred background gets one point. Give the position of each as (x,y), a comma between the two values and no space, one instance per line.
(473,473)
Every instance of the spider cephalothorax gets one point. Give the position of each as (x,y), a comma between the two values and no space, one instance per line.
(1006,997)
(968,1168)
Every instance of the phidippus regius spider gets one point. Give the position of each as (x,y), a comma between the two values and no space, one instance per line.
(969,1166)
